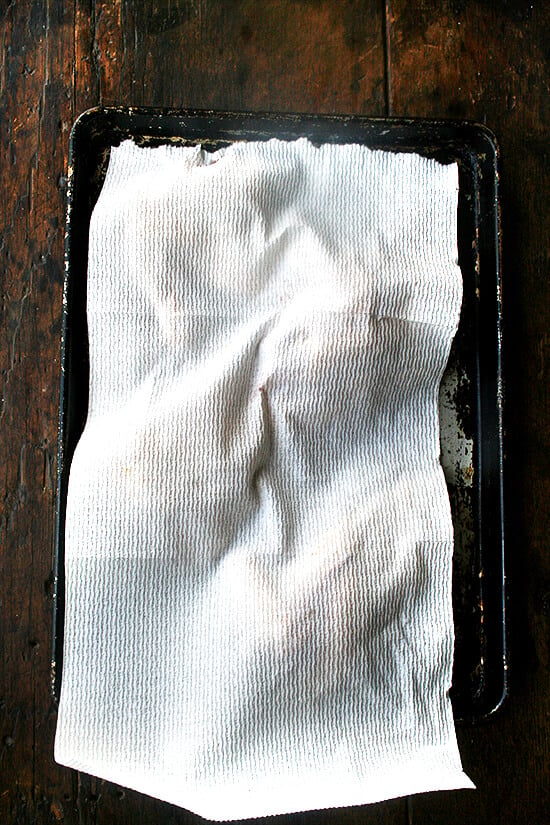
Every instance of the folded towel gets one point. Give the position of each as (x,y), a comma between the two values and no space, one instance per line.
(258,533)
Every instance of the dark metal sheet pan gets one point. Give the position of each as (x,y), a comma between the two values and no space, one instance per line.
(471,394)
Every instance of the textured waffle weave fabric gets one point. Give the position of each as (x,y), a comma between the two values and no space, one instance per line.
(258,533)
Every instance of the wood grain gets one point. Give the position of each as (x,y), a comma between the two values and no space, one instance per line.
(36,111)
(458,58)
(489,62)
(288,56)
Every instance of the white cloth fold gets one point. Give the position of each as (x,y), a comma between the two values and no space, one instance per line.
(258,534)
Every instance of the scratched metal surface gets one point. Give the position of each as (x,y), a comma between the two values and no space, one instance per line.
(470,397)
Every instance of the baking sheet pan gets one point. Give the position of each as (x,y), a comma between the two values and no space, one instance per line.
(471,392)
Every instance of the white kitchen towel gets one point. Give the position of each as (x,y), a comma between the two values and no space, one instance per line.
(258,533)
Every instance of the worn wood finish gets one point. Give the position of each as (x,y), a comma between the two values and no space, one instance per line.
(490,63)
(246,54)
(36,114)
(483,60)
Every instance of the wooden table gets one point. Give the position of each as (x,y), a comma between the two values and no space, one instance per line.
(486,61)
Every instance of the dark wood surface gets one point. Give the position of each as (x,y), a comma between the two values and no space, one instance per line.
(487,61)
